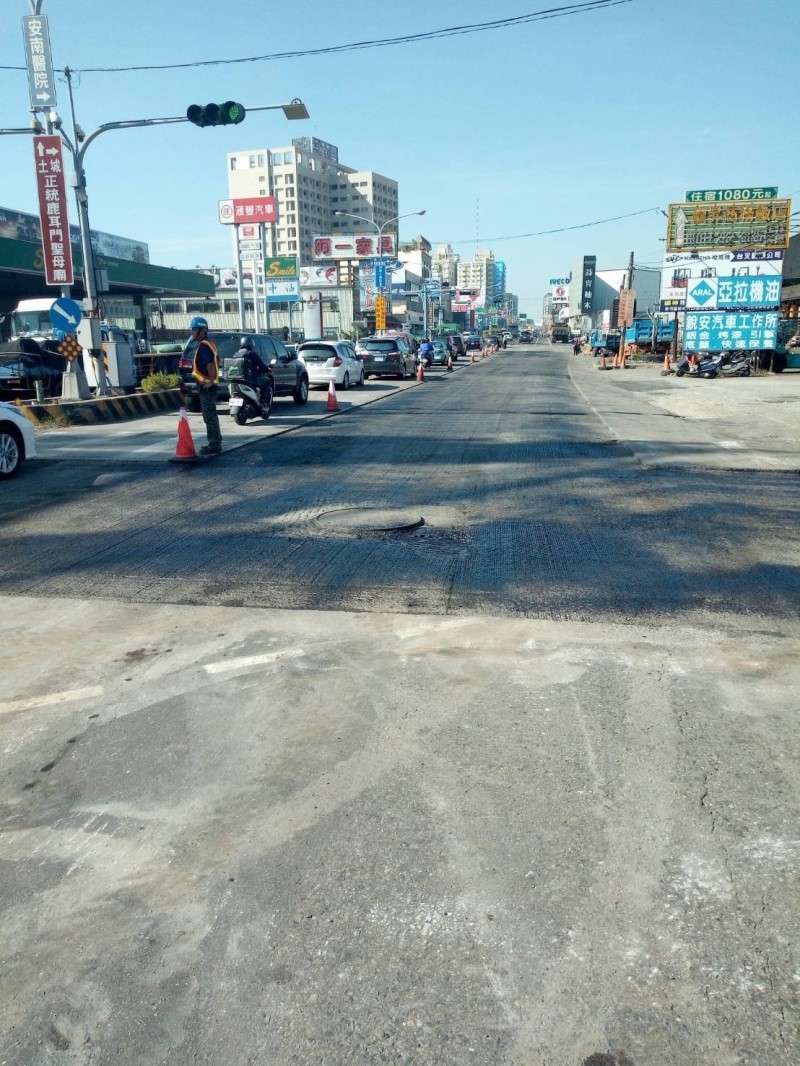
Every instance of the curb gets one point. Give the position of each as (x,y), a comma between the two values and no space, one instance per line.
(105,409)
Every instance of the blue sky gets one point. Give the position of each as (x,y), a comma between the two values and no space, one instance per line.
(495,134)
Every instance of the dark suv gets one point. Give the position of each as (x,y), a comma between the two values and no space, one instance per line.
(386,357)
(289,374)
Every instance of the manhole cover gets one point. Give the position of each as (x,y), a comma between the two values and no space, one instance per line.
(370,519)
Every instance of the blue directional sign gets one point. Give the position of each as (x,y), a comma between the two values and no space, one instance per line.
(65,314)
(380,275)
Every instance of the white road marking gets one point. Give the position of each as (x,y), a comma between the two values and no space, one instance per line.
(50,699)
(246,661)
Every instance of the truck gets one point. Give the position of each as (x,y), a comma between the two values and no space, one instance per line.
(560,331)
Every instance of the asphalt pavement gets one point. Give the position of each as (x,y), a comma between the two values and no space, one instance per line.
(517,786)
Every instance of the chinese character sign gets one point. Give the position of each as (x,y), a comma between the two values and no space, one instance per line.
(721,331)
(53,210)
(355,246)
(380,312)
(754,225)
(730,293)
(587,286)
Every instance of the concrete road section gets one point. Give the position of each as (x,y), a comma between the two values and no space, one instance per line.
(721,424)
(297,837)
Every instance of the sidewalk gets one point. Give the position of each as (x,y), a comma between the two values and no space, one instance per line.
(722,424)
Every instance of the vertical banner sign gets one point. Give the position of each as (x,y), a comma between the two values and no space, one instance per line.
(53,210)
(587,283)
(380,312)
(41,82)
(312,317)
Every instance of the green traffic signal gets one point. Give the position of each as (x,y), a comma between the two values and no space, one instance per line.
(229,113)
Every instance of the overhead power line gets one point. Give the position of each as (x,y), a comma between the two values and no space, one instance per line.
(559,229)
(561,11)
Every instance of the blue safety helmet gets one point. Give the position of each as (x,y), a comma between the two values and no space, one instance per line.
(198,322)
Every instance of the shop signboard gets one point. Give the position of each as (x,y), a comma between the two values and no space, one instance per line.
(759,225)
(320,277)
(587,283)
(627,306)
(354,246)
(282,266)
(683,270)
(717,196)
(732,293)
(720,331)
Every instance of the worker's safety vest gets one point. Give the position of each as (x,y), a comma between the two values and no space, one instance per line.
(197,373)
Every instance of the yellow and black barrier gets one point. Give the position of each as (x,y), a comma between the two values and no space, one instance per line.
(104,408)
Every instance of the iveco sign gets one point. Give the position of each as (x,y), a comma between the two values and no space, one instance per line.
(560,281)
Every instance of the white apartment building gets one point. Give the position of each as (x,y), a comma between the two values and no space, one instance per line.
(444,264)
(310,185)
(477,275)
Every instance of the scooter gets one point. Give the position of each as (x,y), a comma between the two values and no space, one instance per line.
(707,369)
(733,364)
(249,400)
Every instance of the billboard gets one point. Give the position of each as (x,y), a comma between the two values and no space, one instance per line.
(728,226)
(325,276)
(18,226)
(722,331)
(283,266)
(587,283)
(683,270)
(354,246)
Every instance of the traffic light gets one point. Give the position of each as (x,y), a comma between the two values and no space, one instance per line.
(227,114)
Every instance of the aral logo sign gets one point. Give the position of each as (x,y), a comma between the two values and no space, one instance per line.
(701,294)
(284,266)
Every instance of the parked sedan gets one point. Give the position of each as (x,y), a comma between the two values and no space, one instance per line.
(334,361)
(17,440)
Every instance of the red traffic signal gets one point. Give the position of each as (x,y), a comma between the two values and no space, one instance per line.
(229,113)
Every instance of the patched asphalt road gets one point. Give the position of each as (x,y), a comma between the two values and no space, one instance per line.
(519,786)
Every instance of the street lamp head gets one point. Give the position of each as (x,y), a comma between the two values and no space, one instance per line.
(295,110)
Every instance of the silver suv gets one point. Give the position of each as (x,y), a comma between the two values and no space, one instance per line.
(386,357)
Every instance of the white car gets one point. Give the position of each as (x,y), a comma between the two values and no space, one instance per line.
(17,440)
(332,361)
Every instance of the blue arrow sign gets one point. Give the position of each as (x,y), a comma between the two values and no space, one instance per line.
(65,314)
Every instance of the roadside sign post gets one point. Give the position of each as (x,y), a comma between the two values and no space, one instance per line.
(41,80)
(51,187)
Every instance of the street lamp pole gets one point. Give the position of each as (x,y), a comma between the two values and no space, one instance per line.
(379,230)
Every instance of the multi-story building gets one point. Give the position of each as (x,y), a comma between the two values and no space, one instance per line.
(478,275)
(310,186)
(444,264)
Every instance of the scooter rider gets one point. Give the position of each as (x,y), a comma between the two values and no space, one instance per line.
(426,352)
(205,371)
(255,372)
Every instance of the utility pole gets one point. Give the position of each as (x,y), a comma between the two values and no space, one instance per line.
(622,355)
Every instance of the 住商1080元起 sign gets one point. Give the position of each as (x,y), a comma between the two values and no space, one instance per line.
(725,196)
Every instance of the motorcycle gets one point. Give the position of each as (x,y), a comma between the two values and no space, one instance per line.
(707,369)
(249,400)
(733,364)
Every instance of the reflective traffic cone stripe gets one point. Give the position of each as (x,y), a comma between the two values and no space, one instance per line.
(185,446)
(333,403)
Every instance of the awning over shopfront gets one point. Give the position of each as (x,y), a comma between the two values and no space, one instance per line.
(22,275)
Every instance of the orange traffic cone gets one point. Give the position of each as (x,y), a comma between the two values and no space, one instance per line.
(472,357)
(449,362)
(333,403)
(184,450)
(667,363)
(421,372)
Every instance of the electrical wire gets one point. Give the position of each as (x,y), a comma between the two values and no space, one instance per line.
(564,10)
(546,232)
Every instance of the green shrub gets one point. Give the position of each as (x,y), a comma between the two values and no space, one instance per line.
(158,382)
